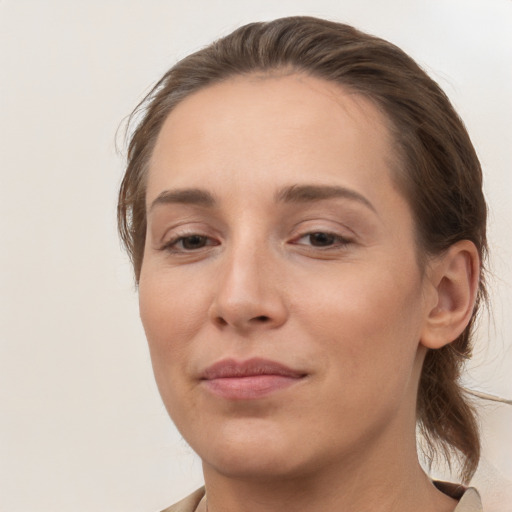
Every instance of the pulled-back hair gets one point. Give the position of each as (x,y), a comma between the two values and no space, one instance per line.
(438,171)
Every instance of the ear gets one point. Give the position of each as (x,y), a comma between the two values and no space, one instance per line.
(454,276)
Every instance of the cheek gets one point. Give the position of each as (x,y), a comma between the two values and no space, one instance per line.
(171,313)
(170,302)
(368,322)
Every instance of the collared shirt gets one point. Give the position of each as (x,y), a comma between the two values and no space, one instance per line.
(469,499)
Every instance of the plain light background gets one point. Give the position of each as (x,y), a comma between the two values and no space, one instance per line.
(81,424)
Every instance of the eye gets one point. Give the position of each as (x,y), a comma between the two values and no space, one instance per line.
(189,243)
(322,239)
(193,242)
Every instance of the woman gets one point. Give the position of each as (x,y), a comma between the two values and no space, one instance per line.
(305,216)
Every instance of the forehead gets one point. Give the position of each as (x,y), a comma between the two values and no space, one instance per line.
(271,127)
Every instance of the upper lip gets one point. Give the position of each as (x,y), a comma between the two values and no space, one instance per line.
(230,368)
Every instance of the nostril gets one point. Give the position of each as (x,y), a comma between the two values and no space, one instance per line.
(262,318)
(221,321)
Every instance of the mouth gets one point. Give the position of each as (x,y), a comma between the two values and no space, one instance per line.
(251,379)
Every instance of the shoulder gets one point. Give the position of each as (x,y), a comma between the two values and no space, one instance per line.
(469,502)
(188,504)
(469,499)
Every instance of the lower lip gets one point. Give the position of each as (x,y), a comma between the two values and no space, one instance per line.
(249,388)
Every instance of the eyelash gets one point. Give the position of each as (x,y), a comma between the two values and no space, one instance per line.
(172,245)
(336,242)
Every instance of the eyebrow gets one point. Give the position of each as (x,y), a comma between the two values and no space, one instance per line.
(193,196)
(290,194)
(312,193)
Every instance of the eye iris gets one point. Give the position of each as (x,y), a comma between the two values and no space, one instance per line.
(321,239)
(194,242)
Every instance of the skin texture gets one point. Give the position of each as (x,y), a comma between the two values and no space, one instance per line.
(242,274)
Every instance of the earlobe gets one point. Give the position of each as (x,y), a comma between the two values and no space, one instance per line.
(454,276)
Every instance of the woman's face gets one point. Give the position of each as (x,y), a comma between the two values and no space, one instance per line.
(280,290)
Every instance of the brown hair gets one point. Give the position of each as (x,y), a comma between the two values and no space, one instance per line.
(438,172)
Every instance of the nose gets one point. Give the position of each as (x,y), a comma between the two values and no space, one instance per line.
(249,293)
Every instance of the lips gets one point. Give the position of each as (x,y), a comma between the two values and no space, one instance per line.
(251,379)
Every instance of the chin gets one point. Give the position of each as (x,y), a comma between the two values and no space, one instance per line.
(251,449)
(255,465)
